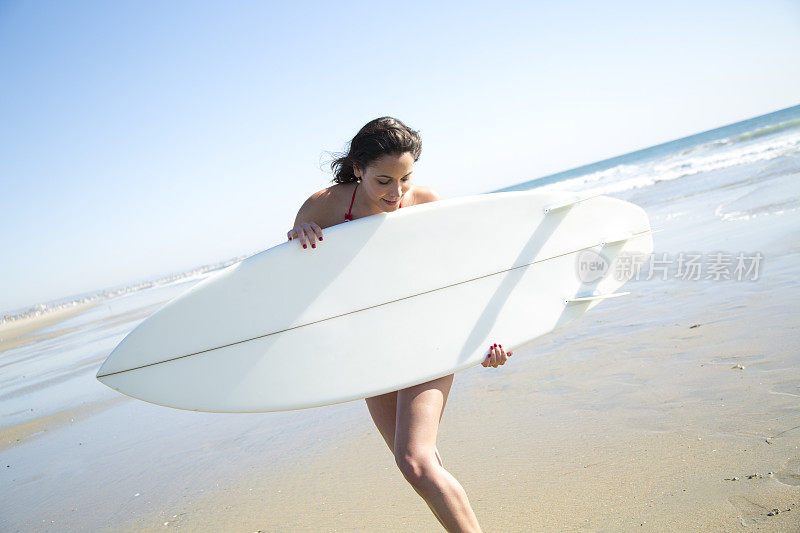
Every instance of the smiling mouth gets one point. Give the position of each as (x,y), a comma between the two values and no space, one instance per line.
(388,202)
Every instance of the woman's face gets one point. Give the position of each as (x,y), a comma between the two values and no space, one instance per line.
(387,179)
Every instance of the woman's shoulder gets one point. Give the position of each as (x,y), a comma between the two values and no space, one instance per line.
(330,197)
(324,205)
(332,193)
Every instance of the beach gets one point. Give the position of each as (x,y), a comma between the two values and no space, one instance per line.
(601,432)
(675,408)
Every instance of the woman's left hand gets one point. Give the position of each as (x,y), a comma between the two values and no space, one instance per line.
(497,356)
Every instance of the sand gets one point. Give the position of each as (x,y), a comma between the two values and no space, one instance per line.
(17,434)
(17,333)
(626,421)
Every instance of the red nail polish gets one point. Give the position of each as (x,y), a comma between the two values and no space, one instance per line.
(313,245)
(304,246)
(320,238)
(500,345)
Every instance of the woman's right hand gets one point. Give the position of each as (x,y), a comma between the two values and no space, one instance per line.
(497,356)
(307,233)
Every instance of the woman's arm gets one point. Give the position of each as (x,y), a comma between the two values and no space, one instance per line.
(306,228)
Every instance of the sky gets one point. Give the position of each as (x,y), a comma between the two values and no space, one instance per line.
(139,139)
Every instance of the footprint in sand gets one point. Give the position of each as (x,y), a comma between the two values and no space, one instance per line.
(750,513)
(790,473)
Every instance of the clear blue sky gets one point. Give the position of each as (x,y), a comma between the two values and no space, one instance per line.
(142,138)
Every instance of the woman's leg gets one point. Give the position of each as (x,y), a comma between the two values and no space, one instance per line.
(383,410)
(418,411)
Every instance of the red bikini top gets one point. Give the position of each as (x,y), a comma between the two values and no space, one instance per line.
(348,217)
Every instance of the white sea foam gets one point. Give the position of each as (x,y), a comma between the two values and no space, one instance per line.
(712,156)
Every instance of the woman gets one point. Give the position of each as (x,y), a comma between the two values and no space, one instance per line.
(375,177)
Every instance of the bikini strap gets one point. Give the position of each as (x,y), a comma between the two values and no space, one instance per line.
(348,216)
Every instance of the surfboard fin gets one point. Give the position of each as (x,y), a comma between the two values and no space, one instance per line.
(594,297)
(619,239)
(569,203)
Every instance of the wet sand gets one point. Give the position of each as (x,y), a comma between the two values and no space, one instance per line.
(625,420)
(17,333)
(16,434)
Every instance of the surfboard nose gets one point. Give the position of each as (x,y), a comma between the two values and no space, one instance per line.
(119,360)
(102,372)
(105,369)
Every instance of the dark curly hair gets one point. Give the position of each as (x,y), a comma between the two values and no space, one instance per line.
(379,137)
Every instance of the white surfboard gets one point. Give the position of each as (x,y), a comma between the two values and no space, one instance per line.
(384,302)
